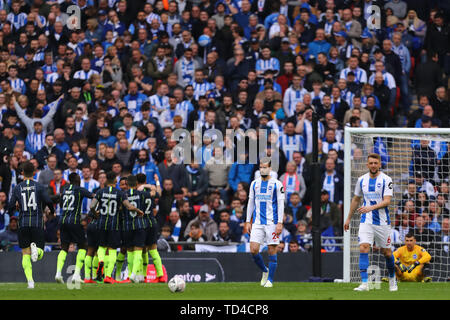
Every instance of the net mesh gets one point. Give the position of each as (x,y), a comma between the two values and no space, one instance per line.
(406,158)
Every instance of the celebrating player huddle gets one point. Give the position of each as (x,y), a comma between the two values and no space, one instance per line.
(120,219)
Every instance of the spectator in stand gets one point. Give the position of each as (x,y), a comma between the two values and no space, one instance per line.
(204,221)
(423,234)
(330,214)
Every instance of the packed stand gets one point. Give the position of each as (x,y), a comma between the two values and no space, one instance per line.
(109,95)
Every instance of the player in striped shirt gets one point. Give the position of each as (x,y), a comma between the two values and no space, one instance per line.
(72,230)
(109,214)
(265,220)
(376,189)
(32,198)
(150,192)
(134,229)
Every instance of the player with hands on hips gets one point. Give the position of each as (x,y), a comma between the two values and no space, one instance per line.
(376,189)
(265,220)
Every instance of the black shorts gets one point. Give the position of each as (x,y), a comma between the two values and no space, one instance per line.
(27,235)
(134,238)
(92,235)
(151,235)
(73,233)
(109,238)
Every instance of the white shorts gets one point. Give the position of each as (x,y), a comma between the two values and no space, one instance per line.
(264,234)
(369,233)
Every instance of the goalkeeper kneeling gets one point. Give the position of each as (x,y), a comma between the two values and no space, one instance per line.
(411,261)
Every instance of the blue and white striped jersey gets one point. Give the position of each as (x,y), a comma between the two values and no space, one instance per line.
(327,146)
(290,144)
(307,135)
(18,85)
(17,20)
(360,75)
(291,98)
(83,75)
(389,80)
(160,103)
(51,77)
(90,185)
(266,202)
(200,89)
(373,191)
(67,172)
(267,64)
(183,109)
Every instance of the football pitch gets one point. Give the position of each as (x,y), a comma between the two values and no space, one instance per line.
(224,291)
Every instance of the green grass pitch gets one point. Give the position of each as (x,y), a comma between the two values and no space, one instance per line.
(224,291)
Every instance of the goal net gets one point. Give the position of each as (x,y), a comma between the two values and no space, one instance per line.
(418,161)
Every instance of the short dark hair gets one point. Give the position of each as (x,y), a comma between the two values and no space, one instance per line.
(141,178)
(74,178)
(132,181)
(28,169)
(111,177)
(410,235)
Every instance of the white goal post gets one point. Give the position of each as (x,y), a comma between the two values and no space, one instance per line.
(403,169)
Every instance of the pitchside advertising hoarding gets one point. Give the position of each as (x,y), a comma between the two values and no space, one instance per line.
(190,269)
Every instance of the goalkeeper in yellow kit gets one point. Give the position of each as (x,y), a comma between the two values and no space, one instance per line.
(411,261)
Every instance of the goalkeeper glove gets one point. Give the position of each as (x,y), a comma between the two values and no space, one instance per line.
(401,266)
(411,267)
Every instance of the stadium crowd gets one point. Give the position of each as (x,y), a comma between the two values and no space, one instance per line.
(107,97)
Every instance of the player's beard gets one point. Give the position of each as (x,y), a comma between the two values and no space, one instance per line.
(374,172)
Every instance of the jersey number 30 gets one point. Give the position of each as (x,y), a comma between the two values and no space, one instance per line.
(109,206)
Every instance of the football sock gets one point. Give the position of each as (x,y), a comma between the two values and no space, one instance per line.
(87,267)
(60,263)
(390,266)
(363,265)
(111,263)
(144,263)
(119,264)
(94,265)
(130,261)
(157,262)
(40,253)
(272,266)
(101,252)
(259,262)
(81,255)
(137,261)
(106,261)
(27,268)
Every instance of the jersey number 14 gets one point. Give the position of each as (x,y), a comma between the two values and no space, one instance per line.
(31,203)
